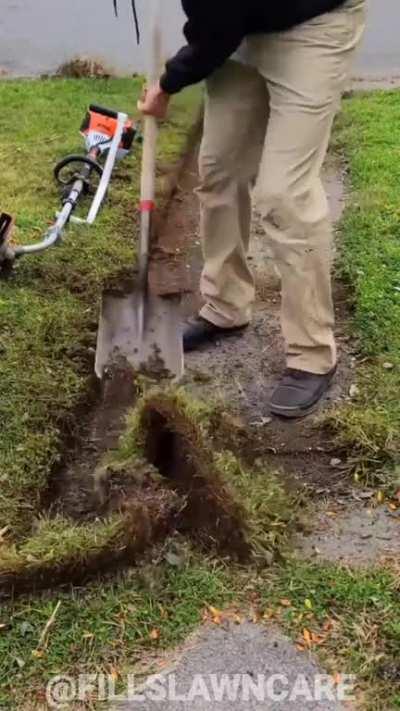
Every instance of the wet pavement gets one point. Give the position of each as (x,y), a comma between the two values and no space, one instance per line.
(380,53)
(37,36)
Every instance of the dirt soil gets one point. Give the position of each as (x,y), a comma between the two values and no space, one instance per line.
(72,488)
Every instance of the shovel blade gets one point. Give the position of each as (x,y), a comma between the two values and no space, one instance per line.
(155,347)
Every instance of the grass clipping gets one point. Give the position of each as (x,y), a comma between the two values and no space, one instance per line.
(204,494)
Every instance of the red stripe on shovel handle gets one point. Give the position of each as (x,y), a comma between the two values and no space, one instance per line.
(147,206)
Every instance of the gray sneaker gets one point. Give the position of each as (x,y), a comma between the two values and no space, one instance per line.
(299,392)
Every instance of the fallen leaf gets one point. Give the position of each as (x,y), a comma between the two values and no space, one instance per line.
(3,532)
(328,625)
(285,603)
(380,497)
(155,634)
(337,678)
(261,423)
(307,637)
(163,612)
(268,614)
(388,366)
(317,638)
(255,617)
(216,615)
(300,647)
(38,653)
(308,604)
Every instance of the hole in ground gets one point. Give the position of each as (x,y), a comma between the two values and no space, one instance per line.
(211,516)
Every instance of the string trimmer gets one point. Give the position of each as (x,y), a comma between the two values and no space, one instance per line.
(108,137)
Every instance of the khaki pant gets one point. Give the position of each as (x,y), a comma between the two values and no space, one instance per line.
(270,121)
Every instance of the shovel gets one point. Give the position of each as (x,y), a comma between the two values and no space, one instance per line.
(139,327)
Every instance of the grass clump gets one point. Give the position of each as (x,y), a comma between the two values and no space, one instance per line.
(60,551)
(56,544)
(248,514)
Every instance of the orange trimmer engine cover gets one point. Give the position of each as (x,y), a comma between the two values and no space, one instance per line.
(99,128)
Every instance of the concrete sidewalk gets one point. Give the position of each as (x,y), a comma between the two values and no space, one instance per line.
(246,650)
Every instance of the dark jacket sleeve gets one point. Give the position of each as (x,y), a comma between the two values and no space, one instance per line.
(214,30)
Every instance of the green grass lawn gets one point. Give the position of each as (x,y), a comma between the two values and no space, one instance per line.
(368,133)
(49,311)
(114,627)
(105,628)
(48,318)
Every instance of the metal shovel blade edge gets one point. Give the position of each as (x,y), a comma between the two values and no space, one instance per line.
(157,348)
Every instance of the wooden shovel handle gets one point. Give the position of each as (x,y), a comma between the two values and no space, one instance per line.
(150,135)
(149,158)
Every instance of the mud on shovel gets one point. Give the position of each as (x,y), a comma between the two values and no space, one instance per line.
(140,327)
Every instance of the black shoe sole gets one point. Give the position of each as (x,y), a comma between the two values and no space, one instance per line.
(296,413)
(213,337)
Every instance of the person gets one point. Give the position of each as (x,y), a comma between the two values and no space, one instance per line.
(275,73)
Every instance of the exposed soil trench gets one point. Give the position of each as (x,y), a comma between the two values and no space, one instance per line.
(101,423)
